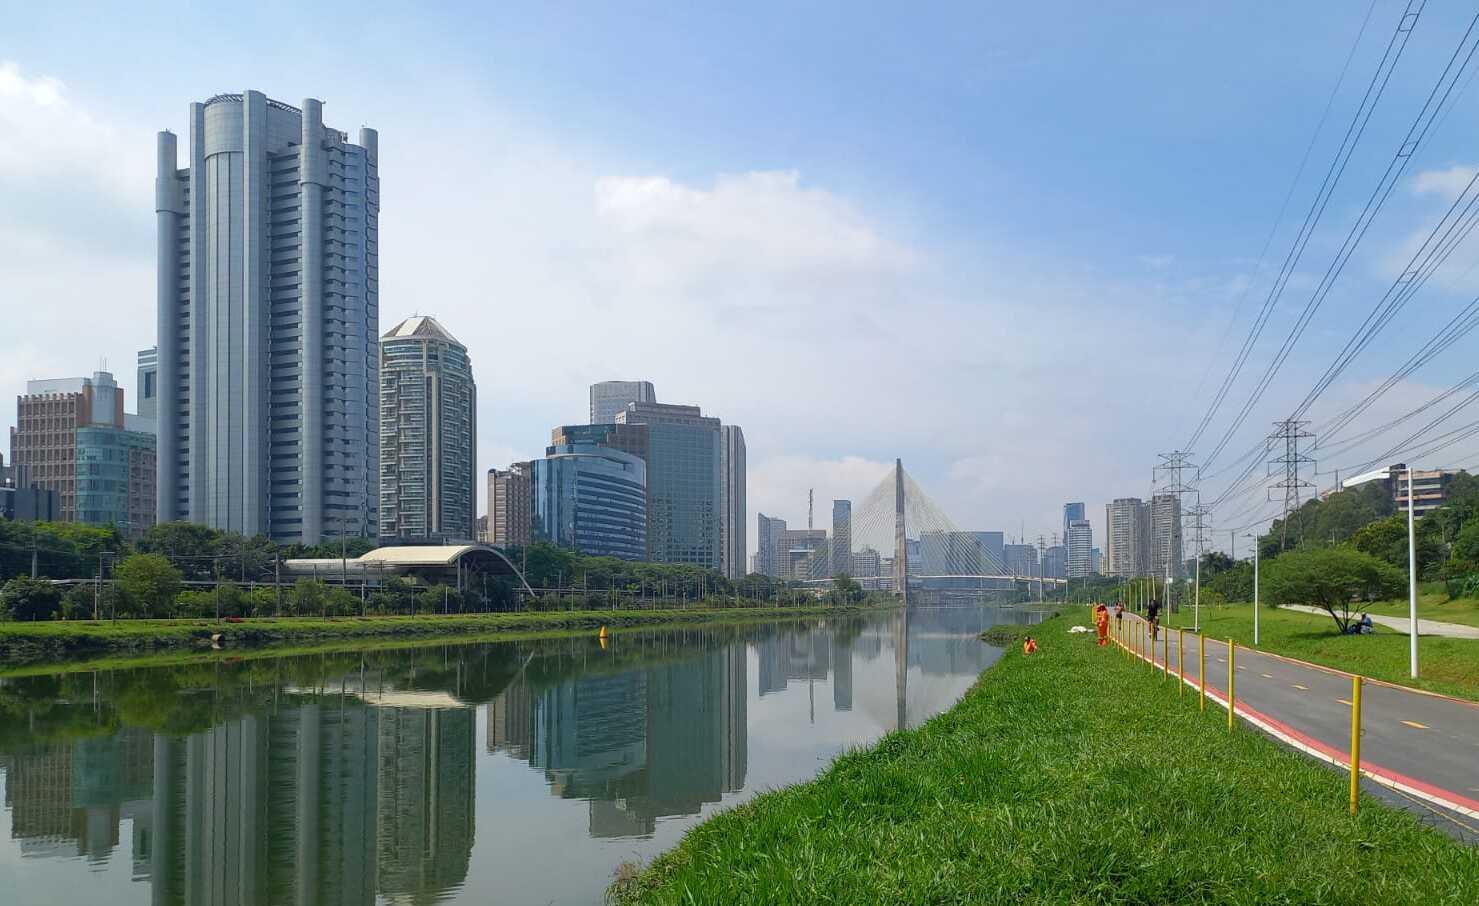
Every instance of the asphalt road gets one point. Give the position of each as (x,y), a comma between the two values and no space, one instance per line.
(1423,749)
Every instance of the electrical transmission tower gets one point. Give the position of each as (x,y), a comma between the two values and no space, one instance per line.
(1286,437)
(1170,478)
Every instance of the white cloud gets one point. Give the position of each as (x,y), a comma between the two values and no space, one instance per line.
(1447,184)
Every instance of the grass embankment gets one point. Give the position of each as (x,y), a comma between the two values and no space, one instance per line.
(29,642)
(1449,666)
(1072,776)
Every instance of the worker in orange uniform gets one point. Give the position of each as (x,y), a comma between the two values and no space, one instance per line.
(1101,621)
(1029,646)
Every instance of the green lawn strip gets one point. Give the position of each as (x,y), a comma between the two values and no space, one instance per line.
(26,643)
(1072,776)
(1430,606)
(1448,666)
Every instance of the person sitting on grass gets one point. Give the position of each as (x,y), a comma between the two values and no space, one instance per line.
(1029,646)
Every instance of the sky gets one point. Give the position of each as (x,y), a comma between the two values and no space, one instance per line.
(1016,246)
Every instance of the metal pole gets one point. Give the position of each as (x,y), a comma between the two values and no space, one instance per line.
(1411,573)
(1255,591)
(1355,740)
(97,595)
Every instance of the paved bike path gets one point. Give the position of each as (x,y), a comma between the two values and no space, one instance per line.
(1403,624)
(1425,746)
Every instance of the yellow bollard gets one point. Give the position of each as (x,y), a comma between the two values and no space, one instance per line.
(1202,671)
(1180,662)
(1232,683)
(1355,740)
(1166,655)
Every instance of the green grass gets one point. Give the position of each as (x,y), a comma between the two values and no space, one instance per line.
(56,640)
(1433,605)
(1072,776)
(1449,666)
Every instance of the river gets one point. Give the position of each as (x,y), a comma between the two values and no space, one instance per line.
(508,772)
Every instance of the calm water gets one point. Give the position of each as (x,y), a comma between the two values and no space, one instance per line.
(509,773)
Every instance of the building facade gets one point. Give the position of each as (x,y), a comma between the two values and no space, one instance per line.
(1072,512)
(1127,541)
(684,483)
(805,554)
(1080,545)
(842,538)
(1021,560)
(732,518)
(428,434)
(268,314)
(72,437)
(509,499)
(592,499)
(146,397)
(768,549)
(1166,557)
(611,397)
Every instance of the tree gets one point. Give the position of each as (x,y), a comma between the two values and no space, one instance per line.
(1215,562)
(845,589)
(1386,539)
(1330,578)
(24,598)
(149,582)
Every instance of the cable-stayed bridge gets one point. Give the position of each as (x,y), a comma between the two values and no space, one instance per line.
(911,536)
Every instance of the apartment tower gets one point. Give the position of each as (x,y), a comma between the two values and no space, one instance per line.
(268,315)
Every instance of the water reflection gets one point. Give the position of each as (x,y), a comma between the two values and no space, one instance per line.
(353,777)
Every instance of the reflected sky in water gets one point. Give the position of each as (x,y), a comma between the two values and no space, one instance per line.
(499,772)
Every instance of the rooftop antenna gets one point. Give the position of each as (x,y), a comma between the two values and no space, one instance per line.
(810,500)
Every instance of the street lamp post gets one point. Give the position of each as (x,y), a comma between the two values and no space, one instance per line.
(1255,588)
(1411,573)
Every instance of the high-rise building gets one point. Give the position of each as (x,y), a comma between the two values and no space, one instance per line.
(1165,534)
(611,397)
(1080,544)
(805,554)
(732,516)
(72,437)
(866,564)
(684,483)
(1021,560)
(993,552)
(147,395)
(769,553)
(1072,512)
(592,499)
(509,500)
(1055,562)
(428,434)
(842,538)
(268,295)
(1127,541)
(1096,561)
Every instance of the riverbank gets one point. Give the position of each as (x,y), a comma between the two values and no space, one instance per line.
(1067,776)
(1447,666)
(32,643)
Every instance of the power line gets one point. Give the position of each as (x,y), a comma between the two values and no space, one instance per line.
(1357,127)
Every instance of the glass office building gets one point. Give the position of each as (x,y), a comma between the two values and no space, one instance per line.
(685,483)
(592,499)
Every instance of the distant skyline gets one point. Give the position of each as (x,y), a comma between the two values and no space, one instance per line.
(1016,247)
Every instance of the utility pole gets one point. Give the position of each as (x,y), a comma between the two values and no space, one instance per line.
(1411,573)
(1255,588)
(1286,437)
(1200,515)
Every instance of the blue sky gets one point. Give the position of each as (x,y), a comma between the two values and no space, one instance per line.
(1001,241)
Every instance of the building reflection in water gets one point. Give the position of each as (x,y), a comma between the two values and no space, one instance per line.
(304,795)
(311,804)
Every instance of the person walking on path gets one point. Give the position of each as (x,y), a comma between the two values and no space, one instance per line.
(1119,614)
(1153,617)
(1101,621)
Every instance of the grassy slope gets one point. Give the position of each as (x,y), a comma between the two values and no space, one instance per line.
(1073,776)
(1450,666)
(35,641)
